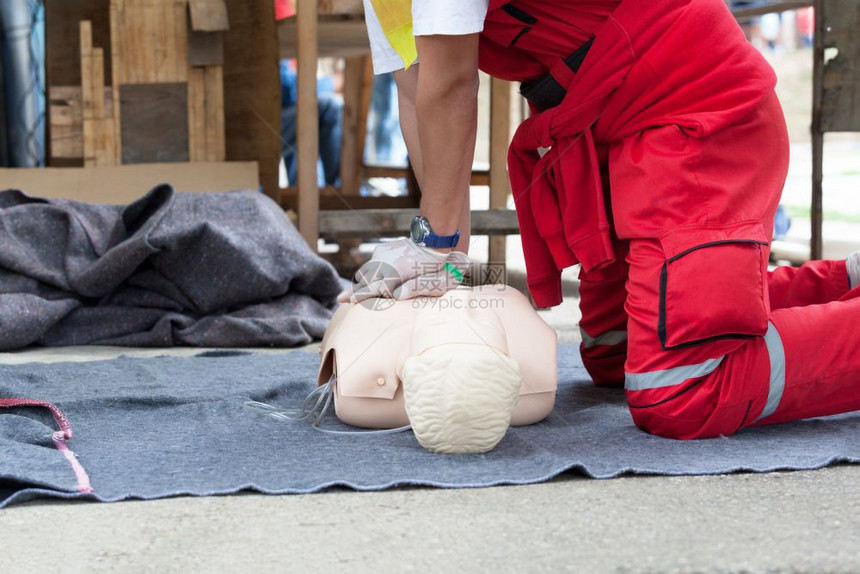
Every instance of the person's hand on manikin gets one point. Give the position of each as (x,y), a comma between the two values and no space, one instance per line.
(402,269)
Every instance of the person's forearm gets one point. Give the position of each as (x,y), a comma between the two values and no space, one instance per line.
(446,113)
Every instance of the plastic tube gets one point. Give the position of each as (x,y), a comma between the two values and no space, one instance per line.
(314,408)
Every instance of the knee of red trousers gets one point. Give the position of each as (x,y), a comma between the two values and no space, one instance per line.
(720,403)
(605,364)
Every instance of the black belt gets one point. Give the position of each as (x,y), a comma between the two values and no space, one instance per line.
(545,92)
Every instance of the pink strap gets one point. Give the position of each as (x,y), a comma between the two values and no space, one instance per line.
(59,437)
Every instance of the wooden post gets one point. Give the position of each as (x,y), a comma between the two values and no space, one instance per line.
(86,49)
(816,241)
(116,74)
(307,118)
(500,136)
(354,113)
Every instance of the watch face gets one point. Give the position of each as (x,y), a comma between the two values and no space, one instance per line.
(417,231)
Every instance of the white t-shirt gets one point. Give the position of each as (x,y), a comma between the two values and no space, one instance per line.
(429,17)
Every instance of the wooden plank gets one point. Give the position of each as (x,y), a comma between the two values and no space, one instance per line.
(124,183)
(197,114)
(332,199)
(341,7)
(209,15)
(105,146)
(102,126)
(66,121)
(336,38)
(87,104)
(154,123)
(479,177)
(393,222)
(252,88)
(179,57)
(116,66)
(840,72)
(307,118)
(352,151)
(214,90)
(205,48)
(98,82)
(816,215)
(154,41)
(500,137)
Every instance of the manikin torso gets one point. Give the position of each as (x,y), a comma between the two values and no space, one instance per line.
(367,345)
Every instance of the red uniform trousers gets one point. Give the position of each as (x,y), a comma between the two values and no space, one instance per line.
(705,340)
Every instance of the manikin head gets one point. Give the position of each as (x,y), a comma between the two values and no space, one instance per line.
(459,368)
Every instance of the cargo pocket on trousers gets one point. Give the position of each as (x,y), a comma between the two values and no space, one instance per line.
(713,285)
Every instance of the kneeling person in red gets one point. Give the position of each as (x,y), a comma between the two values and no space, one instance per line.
(654,157)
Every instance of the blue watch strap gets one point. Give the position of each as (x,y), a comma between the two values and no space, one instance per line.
(443,241)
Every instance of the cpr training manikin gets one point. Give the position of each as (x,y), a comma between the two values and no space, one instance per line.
(459,368)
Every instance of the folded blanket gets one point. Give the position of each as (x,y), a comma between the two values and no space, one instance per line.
(203,269)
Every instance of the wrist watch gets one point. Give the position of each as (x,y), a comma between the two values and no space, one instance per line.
(422,234)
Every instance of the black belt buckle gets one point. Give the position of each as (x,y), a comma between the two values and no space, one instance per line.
(545,92)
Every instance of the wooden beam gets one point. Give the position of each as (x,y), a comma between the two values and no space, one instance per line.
(352,151)
(116,67)
(66,122)
(209,15)
(341,7)
(331,199)
(307,118)
(816,215)
(345,38)
(395,222)
(840,80)
(87,97)
(197,114)
(252,89)
(153,41)
(500,137)
(214,95)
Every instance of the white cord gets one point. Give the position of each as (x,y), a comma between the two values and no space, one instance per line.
(316,404)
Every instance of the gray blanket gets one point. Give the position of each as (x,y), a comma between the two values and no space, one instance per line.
(217,270)
(150,428)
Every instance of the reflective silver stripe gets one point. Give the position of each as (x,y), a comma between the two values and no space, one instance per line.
(669,377)
(777,371)
(607,338)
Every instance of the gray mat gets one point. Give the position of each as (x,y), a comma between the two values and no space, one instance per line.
(151,428)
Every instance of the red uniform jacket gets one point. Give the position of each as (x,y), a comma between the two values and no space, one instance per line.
(674,62)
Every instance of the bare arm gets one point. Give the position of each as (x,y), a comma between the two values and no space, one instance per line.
(439,117)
